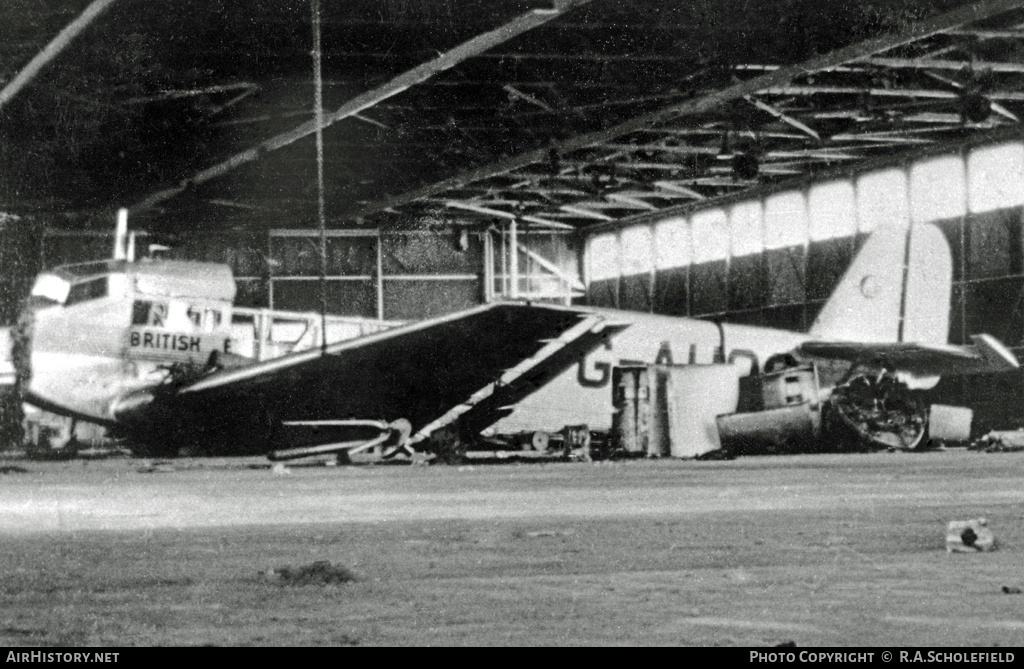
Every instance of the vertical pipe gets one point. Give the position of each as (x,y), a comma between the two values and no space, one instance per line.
(318,108)
(504,264)
(653,277)
(963,249)
(908,239)
(513,259)
(270,270)
(488,266)
(618,268)
(380,276)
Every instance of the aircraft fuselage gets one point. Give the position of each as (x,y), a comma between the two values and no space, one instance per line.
(583,394)
(103,330)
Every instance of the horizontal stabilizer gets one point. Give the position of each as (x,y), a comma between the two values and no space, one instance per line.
(998,356)
(986,354)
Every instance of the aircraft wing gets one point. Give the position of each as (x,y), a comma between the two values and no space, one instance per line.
(430,372)
(985,354)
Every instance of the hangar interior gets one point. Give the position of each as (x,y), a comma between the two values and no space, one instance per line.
(721,159)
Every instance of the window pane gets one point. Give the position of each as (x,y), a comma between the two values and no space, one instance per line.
(87,290)
(747,228)
(672,243)
(882,199)
(603,257)
(832,211)
(785,220)
(996,177)
(140,312)
(937,189)
(710,236)
(636,250)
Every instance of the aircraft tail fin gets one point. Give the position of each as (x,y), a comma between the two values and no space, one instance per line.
(898,288)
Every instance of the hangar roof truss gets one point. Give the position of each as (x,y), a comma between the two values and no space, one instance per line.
(562,114)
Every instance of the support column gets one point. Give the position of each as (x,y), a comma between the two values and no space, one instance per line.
(513,253)
(380,276)
(488,266)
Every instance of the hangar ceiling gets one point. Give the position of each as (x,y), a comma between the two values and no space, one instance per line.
(563,114)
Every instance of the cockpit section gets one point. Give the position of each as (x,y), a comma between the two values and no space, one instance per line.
(53,289)
(159,312)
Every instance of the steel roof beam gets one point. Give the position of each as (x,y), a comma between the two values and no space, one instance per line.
(489,211)
(882,92)
(52,50)
(404,81)
(631,201)
(778,79)
(782,116)
(680,188)
(996,107)
(585,213)
(937,64)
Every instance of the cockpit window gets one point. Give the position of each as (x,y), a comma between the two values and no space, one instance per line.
(195,317)
(211,320)
(50,289)
(88,290)
(145,312)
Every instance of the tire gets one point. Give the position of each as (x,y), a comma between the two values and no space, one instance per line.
(448,445)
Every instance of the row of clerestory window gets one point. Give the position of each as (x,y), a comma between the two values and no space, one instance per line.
(176,316)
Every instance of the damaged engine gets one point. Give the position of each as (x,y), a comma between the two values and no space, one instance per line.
(875,410)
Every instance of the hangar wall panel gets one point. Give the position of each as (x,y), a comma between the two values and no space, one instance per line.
(993,244)
(710,295)
(636,290)
(358,297)
(419,253)
(68,248)
(785,275)
(671,291)
(603,293)
(774,259)
(996,307)
(826,262)
(746,283)
(394,275)
(415,300)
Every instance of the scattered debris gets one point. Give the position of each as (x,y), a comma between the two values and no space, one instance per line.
(23,632)
(1000,441)
(158,467)
(969,536)
(279,469)
(320,572)
(549,533)
(720,454)
(1010,590)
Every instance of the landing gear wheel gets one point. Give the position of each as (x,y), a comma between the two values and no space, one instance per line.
(448,445)
(576,439)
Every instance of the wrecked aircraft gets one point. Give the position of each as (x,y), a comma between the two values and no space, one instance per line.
(147,349)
